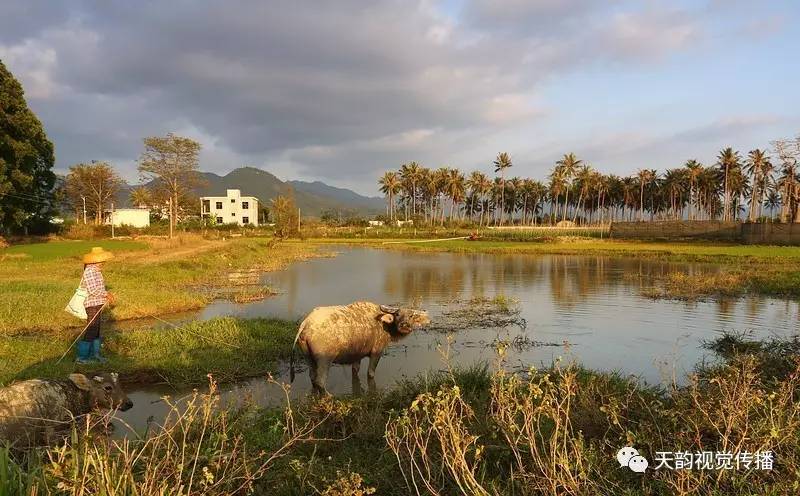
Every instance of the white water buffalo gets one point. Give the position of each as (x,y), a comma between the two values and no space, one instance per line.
(32,411)
(347,333)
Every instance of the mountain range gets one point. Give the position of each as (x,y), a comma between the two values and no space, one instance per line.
(312,198)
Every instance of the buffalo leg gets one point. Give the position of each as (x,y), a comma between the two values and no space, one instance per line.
(321,376)
(312,372)
(356,368)
(373,364)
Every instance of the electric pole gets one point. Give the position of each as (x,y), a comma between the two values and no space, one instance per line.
(84,209)
(170,217)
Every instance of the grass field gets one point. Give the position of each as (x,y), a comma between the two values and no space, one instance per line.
(228,348)
(149,278)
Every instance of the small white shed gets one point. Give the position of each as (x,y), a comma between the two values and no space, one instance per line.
(133,217)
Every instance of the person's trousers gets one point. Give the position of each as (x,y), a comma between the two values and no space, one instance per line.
(92,331)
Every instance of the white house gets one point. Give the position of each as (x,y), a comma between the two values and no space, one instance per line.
(231,209)
(133,217)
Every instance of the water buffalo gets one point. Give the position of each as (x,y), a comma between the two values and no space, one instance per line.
(347,333)
(34,411)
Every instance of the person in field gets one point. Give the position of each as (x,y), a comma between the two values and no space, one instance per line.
(98,298)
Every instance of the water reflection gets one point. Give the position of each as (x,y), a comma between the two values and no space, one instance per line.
(593,303)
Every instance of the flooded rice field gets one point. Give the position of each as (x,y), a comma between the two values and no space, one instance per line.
(590,309)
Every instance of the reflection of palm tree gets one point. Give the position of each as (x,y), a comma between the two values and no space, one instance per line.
(501,163)
(390,186)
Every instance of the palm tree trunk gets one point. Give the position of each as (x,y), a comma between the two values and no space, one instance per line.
(641,202)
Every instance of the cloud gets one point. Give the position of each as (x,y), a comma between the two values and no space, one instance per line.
(318,89)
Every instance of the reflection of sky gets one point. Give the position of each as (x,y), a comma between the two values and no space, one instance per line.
(593,303)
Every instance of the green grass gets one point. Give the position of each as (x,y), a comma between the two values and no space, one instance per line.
(54,250)
(712,252)
(227,348)
(158,277)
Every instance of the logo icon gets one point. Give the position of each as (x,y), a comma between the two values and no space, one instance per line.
(629,457)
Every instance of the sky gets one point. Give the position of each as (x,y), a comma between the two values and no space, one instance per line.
(341,91)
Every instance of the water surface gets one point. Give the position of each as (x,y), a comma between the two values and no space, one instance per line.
(592,306)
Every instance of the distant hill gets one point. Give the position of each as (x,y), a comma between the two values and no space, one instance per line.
(312,197)
(343,195)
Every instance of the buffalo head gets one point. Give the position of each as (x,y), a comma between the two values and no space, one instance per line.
(104,390)
(405,319)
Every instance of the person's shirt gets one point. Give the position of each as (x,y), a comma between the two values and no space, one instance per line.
(95,285)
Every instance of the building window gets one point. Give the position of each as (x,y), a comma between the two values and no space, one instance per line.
(219,205)
(233,214)
(219,220)
(245,205)
(233,200)
(245,220)
(206,206)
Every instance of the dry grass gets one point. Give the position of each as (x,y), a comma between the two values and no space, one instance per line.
(199,448)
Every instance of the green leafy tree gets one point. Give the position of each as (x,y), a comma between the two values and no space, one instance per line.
(26,162)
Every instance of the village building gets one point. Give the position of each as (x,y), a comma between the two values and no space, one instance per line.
(131,217)
(233,208)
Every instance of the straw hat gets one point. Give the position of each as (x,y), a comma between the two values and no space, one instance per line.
(97,255)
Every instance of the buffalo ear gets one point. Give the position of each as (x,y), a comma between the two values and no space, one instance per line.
(81,381)
(387,318)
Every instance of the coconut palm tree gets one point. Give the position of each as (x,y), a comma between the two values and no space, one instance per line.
(727,160)
(645,176)
(557,185)
(501,163)
(141,197)
(411,174)
(693,171)
(673,185)
(757,164)
(390,186)
(569,164)
(441,174)
(482,187)
(455,188)
(772,202)
(583,178)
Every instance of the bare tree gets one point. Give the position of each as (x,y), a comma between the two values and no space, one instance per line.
(96,183)
(788,151)
(172,161)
